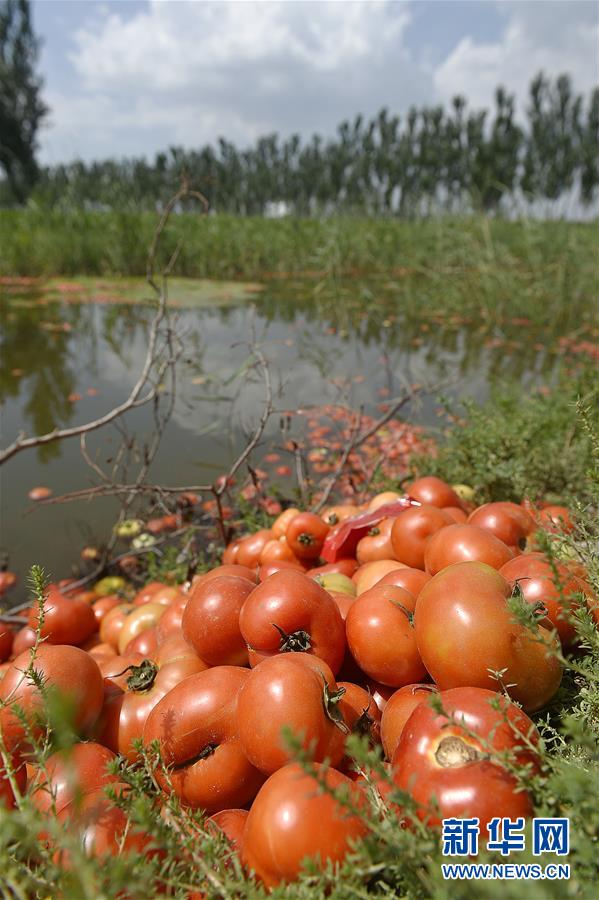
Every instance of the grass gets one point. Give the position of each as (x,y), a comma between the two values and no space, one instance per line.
(543,271)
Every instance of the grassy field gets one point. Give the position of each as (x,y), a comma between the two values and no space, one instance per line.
(545,271)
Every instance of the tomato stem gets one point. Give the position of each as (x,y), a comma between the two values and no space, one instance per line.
(330,700)
(142,676)
(296,642)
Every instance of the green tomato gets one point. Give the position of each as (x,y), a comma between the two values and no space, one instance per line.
(335,581)
(464,491)
(128,528)
(111,584)
(142,541)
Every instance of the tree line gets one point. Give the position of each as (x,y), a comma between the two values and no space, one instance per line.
(430,159)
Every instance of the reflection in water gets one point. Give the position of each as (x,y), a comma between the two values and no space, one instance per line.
(355,344)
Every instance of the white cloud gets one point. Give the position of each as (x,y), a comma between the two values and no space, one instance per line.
(554,37)
(186,73)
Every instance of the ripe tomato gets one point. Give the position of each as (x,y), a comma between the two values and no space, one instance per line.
(359,711)
(230,552)
(306,534)
(113,622)
(292,819)
(210,620)
(126,710)
(534,575)
(381,636)
(23,640)
(103,828)
(65,621)
(279,526)
(19,773)
(147,592)
(251,547)
(398,709)
(277,550)
(376,544)
(7,637)
(269,569)
(289,611)
(240,571)
(464,543)
(341,567)
(139,620)
(169,622)
(509,522)
(371,573)
(412,580)
(381,499)
(196,727)
(68,672)
(465,631)
(145,643)
(333,515)
(69,775)
(457,757)
(412,531)
(433,492)
(103,606)
(459,516)
(231,822)
(343,602)
(166,594)
(293,690)
(555,519)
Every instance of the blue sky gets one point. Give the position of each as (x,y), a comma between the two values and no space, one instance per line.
(132,78)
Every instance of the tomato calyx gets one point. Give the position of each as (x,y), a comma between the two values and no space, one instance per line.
(142,676)
(330,700)
(374,531)
(208,750)
(333,519)
(296,642)
(452,752)
(409,615)
(363,724)
(305,538)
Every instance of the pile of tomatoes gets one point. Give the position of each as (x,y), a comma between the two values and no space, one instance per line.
(407,634)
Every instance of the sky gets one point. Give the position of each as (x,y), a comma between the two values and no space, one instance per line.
(133,77)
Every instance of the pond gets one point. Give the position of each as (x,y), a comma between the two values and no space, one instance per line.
(72,350)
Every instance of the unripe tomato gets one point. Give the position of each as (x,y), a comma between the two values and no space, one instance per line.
(140,619)
(336,582)
(292,820)
(413,529)
(342,567)
(295,691)
(381,636)
(210,621)
(466,631)
(464,543)
(306,534)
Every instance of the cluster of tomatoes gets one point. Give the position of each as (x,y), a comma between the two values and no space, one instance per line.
(407,634)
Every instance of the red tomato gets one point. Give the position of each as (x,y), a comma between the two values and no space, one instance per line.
(231,822)
(251,547)
(140,619)
(19,775)
(507,521)
(165,594)
(457,514)
(7,637)
(170,621)
(240,571)
(69,775)
(381,693)
(464,543)
(555,519)
(210,620)
(381,636)
(269,569)
(24,639)
(279,527)
(412,580)
(290,611)
(458,757)
(371,573)
(343,602)
(306,534)
(412,531)
(103,828)
(7,580)
(147,592)
(146,683)
(465,631)
(196,727)
(433,491)
(231,551)
(65,621)
(145,643)
(398,709)
(103,605)
(360,712)
(297,691)
(342,567)
(534,575)
(292,819)
(68,672)
(376,544)
(113,622)
(277,550)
